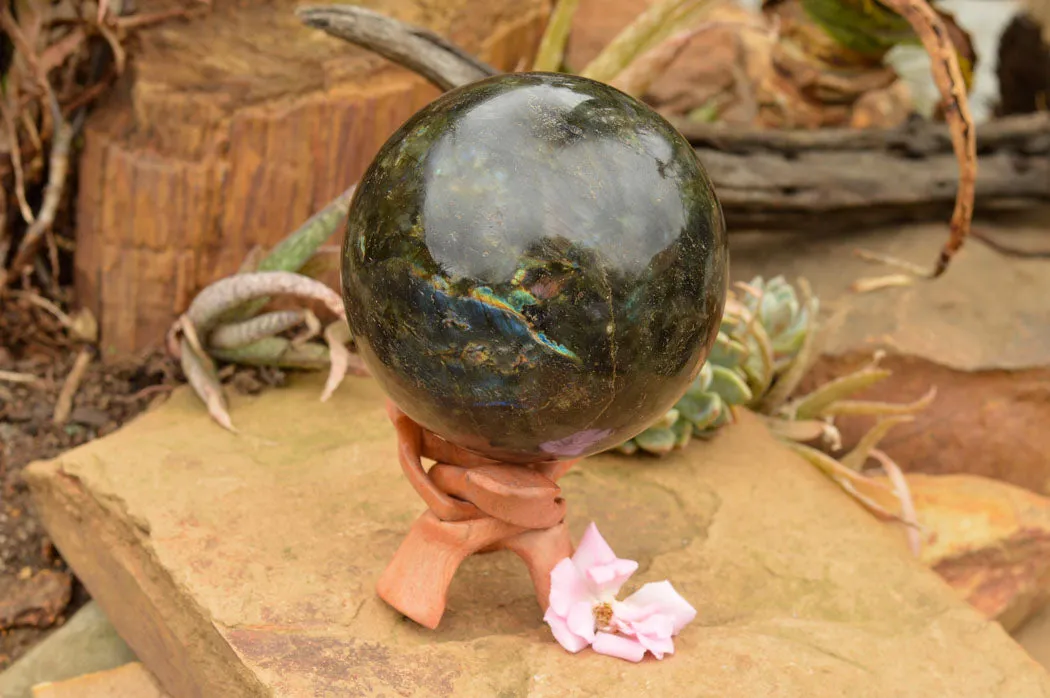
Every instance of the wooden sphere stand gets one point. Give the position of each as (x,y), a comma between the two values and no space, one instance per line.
(474,505)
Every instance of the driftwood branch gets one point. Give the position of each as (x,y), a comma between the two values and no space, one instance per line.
(841,178)
(835,179)
(437,59)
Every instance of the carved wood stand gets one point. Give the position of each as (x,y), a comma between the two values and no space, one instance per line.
(474,505)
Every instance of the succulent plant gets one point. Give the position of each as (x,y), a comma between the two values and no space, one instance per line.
(762,335)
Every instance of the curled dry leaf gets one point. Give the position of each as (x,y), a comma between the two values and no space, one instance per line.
(876,496)
(229,293)
(200,372)
(900,485)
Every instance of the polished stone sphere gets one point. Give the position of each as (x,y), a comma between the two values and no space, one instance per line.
(535,267)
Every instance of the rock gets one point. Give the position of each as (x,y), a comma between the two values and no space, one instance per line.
(566,207)
(34,601)
(129,681)
(989,540)
(1034,636)
(86,643)
(980,334)
(245,564)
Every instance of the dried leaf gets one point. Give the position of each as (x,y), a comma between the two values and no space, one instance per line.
(909,516)
(815,404)
(876,283)
(639,74)
(337,335)
(200,372)
(855,459)
(550,55)
(83,326)
(663,18)
(872,407)
(877,497)
(805,431)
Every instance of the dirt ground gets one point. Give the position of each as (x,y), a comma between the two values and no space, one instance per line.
(36,590)
(37,355)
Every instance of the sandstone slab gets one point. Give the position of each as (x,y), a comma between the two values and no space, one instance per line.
(245,564)
(129,681)
(989,540)
(980,334)
(86,643)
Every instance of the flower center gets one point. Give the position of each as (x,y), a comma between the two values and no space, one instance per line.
(603,615)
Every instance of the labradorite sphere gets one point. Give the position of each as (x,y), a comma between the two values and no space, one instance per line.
(535,267)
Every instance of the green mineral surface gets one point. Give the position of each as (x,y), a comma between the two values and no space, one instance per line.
(535,266)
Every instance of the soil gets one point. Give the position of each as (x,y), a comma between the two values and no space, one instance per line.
(34,343)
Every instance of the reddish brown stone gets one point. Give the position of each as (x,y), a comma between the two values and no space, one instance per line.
(980,334)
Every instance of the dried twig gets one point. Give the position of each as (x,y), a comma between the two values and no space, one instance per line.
(16,162)
(944,64)
(435,58)
(59,167)
(876,283)
(64,404)
(18,377)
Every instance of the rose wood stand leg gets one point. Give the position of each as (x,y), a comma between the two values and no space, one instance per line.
(474,505)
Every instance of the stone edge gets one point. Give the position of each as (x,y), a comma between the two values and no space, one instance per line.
(113,558)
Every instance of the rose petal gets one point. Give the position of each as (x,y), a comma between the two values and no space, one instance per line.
(568,587)
(618,646)
(659,646)
(608,579)
(655,626)
(630,613)
(592,550)
(666,599)
(565,637)
(581,620)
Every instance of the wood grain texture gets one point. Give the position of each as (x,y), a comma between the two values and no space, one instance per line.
(840,179)
(230,131)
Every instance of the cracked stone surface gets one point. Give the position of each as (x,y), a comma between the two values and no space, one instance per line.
(239,565)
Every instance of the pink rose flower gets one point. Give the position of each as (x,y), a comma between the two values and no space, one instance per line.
(584,610)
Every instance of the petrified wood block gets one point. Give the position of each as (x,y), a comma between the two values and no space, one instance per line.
(245,565)
(232,129)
